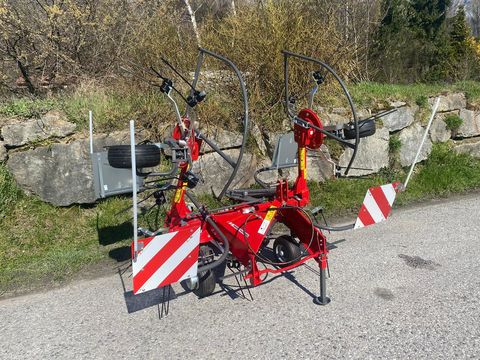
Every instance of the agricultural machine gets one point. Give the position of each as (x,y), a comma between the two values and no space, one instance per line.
(195,240)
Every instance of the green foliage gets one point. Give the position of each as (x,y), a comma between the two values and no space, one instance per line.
(9,192)
(394,144)
(422,101)
(462,57)
(453,122)
(411,42)
(459,35)
(28,107)
(445,172)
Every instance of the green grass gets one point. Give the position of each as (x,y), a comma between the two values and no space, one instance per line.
(9,193)
(42,243)
(114,106)
(443,174)
(28,107)
(369,93)
(394,144)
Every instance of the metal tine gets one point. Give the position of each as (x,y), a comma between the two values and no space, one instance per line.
(248,289)
(165,61)
(238,282)
(165,309)
(138,76)
(152,72)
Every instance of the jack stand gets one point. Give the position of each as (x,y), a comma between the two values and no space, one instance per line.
(323,299)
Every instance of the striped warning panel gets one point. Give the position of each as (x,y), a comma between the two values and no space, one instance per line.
(377,205)
(166,259)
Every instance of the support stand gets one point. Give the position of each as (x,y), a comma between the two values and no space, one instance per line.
(323,299)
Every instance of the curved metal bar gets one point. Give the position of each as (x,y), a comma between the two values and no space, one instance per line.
(245,115)
(342,84)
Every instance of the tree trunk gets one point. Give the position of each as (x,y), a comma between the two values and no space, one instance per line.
(26,77)
(193,20)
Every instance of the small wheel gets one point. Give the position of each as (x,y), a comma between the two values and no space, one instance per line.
(206,281)
(286,250)
(119,156)
(365,128)
(206,284)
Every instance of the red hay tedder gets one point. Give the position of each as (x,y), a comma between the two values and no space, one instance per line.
(196,240)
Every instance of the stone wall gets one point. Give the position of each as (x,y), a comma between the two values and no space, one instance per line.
(50,159)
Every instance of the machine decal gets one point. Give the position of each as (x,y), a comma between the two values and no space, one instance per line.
(266,221)
(238,228)
(302,156)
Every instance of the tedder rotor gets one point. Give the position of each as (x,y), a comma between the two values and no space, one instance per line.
(194,239)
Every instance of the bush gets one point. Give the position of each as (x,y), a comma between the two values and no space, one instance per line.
(422,101)
(453,122)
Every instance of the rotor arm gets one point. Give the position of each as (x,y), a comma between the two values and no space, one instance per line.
(329,133)
(215,147)
(319,78)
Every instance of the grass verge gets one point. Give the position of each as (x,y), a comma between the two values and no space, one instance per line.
(444,173)
(114,106)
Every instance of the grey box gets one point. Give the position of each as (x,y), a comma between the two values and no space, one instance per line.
(109,181)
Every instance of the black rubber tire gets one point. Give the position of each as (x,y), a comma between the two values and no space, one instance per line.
(206,284)
(286,250)
(119,156)
(365,128)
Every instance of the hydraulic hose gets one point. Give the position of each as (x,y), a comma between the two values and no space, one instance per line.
(334,228)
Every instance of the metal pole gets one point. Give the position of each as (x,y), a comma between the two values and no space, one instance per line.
(90,125)
(434,111)
(134,189)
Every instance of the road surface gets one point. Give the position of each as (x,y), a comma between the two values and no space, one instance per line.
(406,288)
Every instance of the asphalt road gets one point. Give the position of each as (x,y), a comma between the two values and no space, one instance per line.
(406,288)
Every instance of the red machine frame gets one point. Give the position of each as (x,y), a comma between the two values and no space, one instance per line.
(246,225)
(241,230)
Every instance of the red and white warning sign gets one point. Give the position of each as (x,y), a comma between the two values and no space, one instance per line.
(377,205)
(166,259)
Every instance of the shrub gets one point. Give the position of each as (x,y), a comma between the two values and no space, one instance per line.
(453,122)
(394,144)
(422,101)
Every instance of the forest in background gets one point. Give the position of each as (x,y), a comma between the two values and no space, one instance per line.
(60,42)
(74,52)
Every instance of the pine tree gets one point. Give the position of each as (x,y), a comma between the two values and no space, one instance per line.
(459,35)
(412,41)
(462,58)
